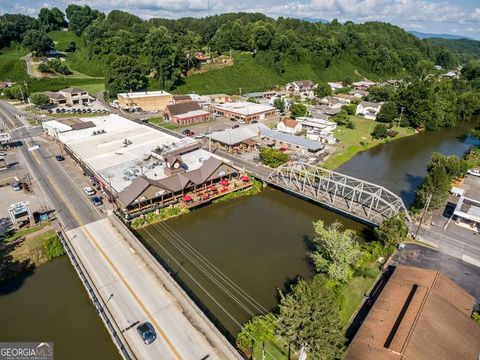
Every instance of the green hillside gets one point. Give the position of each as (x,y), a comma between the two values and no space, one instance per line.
(466,50)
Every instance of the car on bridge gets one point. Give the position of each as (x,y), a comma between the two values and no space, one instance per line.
(147,332)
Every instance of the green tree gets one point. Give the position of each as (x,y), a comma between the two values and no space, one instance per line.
(37,41)
(380,131)
(44,68)
(322,90)
(80,17)
(298,109)
(160,53)
(279,103)
(308,317)
(350,109)
(51,19)
(71,47)
(272,157)
(336,252)
(53,247)
(468,103)
(258,330)
(388,112)
(342,118)
(124,74)
(446,59)
(392,230)
(39,99)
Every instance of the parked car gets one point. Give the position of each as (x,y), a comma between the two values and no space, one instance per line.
(235,126)
(89,191)
(254,121)
(147,332)
(474,172)
(96,201)
(16,186)
(59,158)
(186,132)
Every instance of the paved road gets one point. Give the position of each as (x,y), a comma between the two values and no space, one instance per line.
(140,294)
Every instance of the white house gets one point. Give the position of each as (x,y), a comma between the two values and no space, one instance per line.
(318,129)
(301,86)
(335,85)
(363,85)
(359,94)
(289,126)
(369,110)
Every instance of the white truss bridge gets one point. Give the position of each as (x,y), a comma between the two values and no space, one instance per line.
(364,200)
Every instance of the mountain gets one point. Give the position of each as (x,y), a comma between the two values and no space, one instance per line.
(422,35)
(465,49)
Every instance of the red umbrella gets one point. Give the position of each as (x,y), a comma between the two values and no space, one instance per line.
(205,196)
(187,198)
(224,182)
(213,188)
(245,178)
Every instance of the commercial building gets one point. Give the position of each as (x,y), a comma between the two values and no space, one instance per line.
(244,112)
(70,96)
(127,158)
(145,100)
(420,314)
(186,113)
(468,211)
(218,98)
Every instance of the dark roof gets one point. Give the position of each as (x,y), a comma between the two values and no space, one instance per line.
(201,174)
(182,108)
(182,98)
(82,125)
(54,95)
(72,90)
(182,150)
(420,314)
(133,191)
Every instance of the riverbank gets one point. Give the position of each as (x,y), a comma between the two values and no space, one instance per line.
(354,141)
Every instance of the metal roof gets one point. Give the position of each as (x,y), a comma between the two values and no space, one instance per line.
(291,139)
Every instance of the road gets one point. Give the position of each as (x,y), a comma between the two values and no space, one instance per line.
(142,290)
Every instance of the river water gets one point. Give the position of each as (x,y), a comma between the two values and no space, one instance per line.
(259,242)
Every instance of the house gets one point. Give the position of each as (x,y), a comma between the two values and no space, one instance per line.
(419,314)
(331,101)
(179,99)
(318,129)
(55,98)
(368,109)
(244,112)
(289,126)
(185,113)
(325,111)
(6,84)
(359,94)
(346,98)
(259,96)
(75,96)
(301,86)
(335,85)
(363,85)
(284,141)
(145,100)
(201,58)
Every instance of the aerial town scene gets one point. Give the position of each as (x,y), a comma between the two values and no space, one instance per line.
(218,180)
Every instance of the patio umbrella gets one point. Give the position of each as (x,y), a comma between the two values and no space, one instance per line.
(187,198)
(224,182)
(213,188)
(245,178)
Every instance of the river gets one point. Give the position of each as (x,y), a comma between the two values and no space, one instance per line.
(259,242)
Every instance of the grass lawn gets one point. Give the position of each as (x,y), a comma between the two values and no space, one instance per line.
(12,65)
(359,139)
(272,351)
(25,231)
(160,122)
(33,248)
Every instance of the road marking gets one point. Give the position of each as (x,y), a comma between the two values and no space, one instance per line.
(85,230)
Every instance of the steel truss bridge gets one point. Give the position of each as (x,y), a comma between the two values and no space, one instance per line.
(366,201)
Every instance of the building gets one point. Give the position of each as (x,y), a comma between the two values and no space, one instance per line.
(219,98)
(243,137)
(145,100)
(335,86)
(70,96)
(186,113)
(201,58)
(467,210)
(346,98)
(332,102)
(260,96)
(244,112)
(420,314)
(363,85)
(368,109)
(289,126)
(301,86)
(322,111)
(285,141)
(122,155)
(359,94)
(56,98)
(319,129)
(179,99)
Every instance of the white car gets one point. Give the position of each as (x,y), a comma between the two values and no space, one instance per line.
(474,172)
(89,191)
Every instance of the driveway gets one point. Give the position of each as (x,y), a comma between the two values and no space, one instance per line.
(463,274)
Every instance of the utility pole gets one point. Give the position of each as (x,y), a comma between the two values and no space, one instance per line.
(425,209)
(401,116)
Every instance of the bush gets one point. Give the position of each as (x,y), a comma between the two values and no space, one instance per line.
(350,109)
(71,47)
(53,247)
(380,131)
(44,68)
(272,157)
(39,99)
(57,66)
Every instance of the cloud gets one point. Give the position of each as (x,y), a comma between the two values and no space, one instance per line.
(430,15)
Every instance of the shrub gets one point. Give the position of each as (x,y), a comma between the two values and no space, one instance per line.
(44,68)
(39,99)
(380,131)
(272,157)
(53,247)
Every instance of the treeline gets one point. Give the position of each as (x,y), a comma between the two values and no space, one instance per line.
(466,50)
(161,50)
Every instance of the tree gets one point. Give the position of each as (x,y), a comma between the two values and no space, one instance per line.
(350,109)
(37,41)
(392,230)
(342,118)
(71,47)
(272,157)
(17,92)
(51,19)
(124,74)
(298,109)
(347,81)
(161,54)
(279,103)
(44,68)
(308,317)
(380,131)
(381,93)
(446,59)
(388,112)
(258,330)
(39,99)
(336,252)
(80,17)
(322,90)
(468,103)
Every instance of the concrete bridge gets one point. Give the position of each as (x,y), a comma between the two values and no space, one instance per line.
(363,200)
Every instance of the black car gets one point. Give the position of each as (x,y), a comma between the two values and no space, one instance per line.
(235,126)
(96,201)
(147,332)
(186,132)
(59,158)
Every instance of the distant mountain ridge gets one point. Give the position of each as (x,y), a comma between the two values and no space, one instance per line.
(422,35)
(312,20)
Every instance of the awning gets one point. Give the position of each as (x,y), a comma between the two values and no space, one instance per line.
(187,198)
(224,182)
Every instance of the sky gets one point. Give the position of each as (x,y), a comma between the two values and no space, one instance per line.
(461,17)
